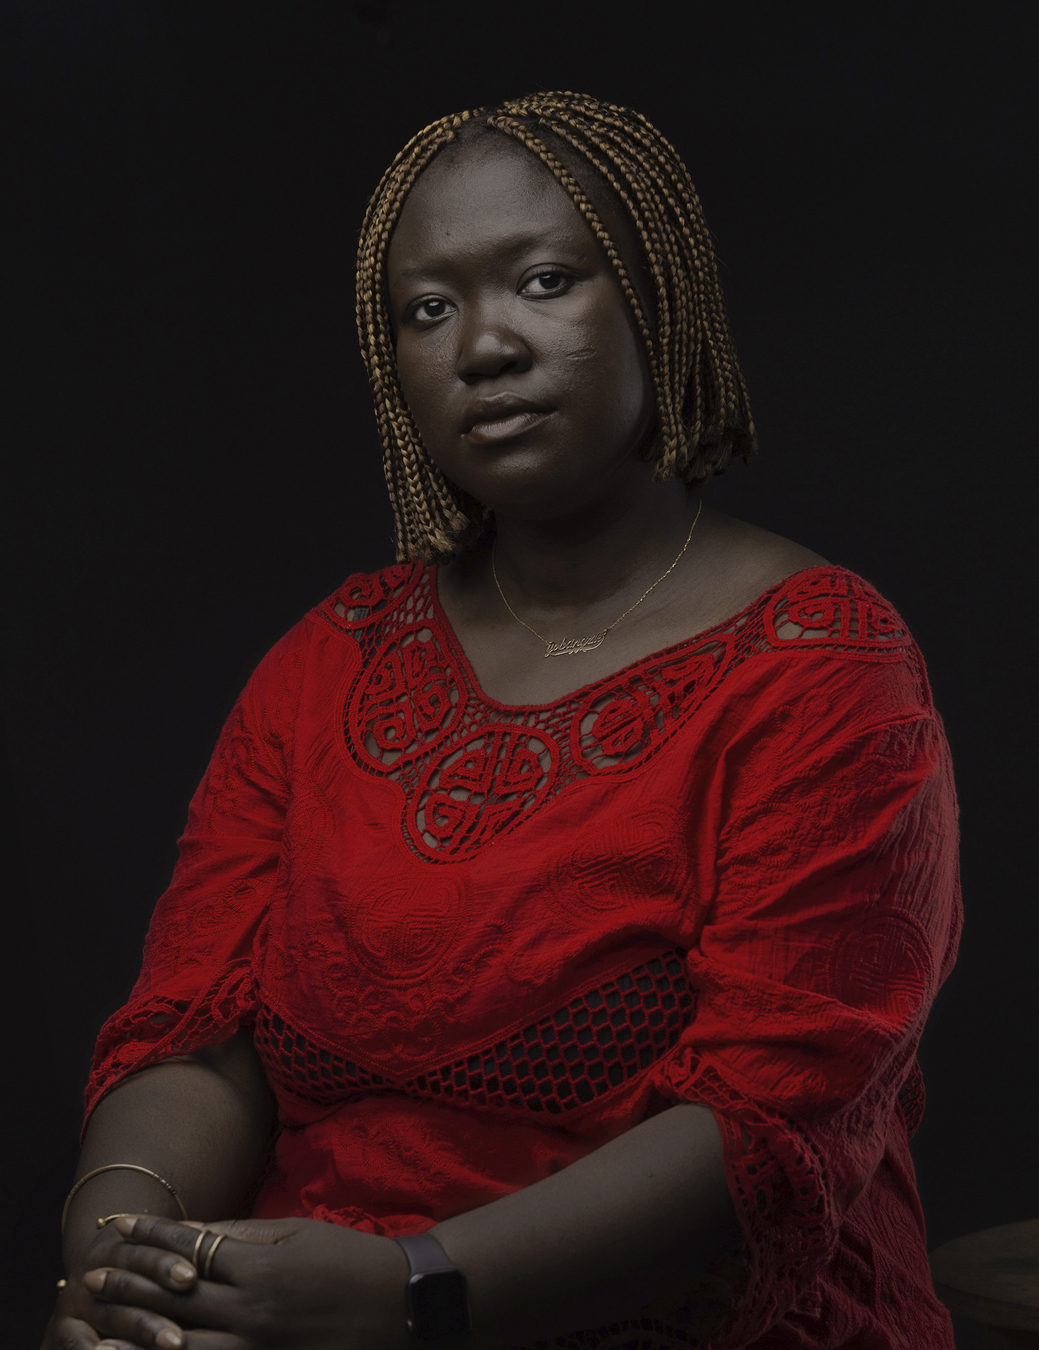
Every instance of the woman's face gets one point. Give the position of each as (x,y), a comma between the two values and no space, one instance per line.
(517,351)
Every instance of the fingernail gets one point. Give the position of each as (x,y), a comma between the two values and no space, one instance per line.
(169,1340)
(126,1223)
(182,1272)
(95,1280)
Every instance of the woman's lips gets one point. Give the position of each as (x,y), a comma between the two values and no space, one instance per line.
(504,428)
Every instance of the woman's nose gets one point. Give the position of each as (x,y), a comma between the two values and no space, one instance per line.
(490,347)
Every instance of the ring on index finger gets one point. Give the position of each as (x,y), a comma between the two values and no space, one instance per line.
(210,1254)
(202,1234)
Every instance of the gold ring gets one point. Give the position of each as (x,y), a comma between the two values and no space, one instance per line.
(109,1217)
(198,1247)
(211,1253)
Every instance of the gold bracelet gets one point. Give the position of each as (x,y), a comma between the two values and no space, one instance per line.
(116,1167)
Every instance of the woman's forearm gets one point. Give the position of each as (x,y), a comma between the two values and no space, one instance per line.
(601,1238)
(201,1122)
(588,1245)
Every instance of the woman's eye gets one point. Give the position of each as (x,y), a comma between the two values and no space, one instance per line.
(546,283)
(432,308)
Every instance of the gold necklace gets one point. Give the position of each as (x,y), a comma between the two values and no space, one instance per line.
(575,646)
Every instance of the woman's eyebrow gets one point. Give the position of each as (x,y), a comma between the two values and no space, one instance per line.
(507,247)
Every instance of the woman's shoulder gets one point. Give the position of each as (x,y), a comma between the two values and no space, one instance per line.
(311,653)
(360,599)
(742,562)
(367,595)
(800,598)
(827,635)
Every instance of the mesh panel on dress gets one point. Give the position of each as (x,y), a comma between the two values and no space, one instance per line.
(569,1058)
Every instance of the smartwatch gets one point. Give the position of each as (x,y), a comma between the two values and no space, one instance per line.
(436,1297)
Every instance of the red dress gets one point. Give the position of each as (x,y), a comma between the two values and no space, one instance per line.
(477,941)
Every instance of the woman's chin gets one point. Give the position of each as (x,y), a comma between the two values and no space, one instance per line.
(531,483)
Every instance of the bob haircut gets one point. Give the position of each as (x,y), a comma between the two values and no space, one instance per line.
(702,411)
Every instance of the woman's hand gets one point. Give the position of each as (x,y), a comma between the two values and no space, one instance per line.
(272,1283)
(74,1322)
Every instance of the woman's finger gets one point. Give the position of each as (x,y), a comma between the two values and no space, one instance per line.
(139,1327)
(182,1235)
(205,1304)
(164,1268)
(215,1249)
(172,1254)
(216,1340)
(262,1232)
(151,1231)
(69,1333)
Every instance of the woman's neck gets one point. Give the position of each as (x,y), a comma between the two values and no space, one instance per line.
(569,564)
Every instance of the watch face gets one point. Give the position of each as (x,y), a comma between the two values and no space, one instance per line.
(439,1304)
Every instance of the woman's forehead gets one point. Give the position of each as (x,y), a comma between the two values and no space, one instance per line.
(491,190)
(485,195)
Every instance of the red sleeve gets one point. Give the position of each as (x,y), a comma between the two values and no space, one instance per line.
(196,985)
(835,918)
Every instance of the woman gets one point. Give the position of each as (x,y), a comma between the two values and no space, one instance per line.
(606,971)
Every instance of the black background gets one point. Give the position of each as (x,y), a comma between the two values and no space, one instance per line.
(195,461)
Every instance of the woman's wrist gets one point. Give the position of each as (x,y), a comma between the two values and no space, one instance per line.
(600,1239)
(389,1283)
(436,1295)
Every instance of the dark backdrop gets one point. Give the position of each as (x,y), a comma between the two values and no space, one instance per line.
(196,464)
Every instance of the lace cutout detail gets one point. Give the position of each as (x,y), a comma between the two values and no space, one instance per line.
(600,1040)
(471,768)
(366,595)
(846,617)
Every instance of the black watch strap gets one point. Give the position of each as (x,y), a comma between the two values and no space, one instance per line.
(437,1297)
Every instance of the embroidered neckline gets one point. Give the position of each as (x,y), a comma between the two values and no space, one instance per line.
(623,673)
(471,768)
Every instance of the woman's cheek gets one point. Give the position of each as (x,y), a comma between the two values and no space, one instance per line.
(425,396)
(612,389)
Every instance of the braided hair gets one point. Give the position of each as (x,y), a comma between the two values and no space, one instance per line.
(702,413)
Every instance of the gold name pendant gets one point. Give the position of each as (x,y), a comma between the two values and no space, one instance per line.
(575,646)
